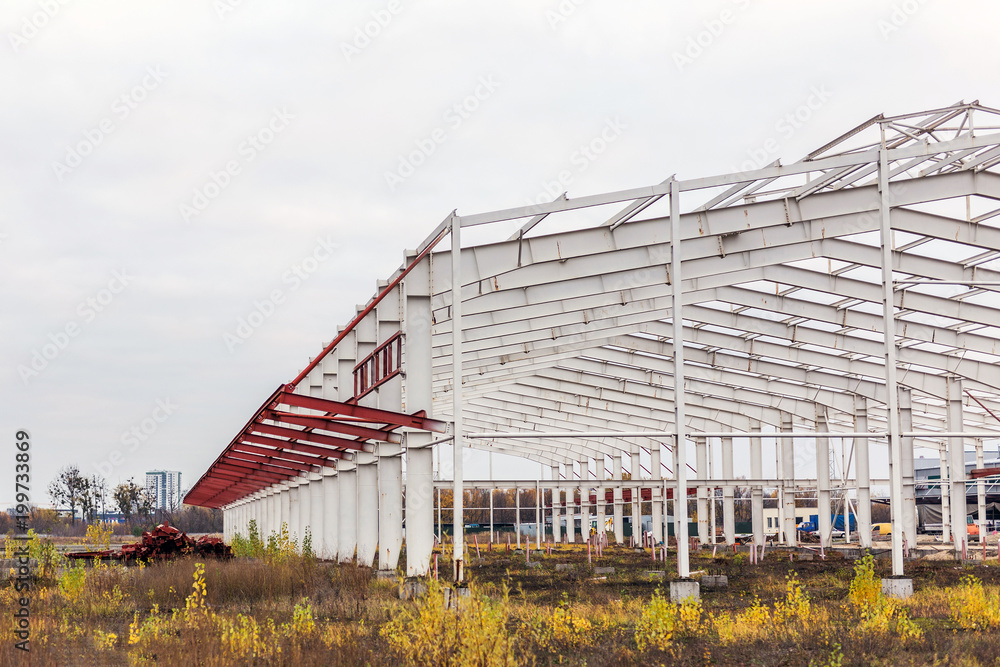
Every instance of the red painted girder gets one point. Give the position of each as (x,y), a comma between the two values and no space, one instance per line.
(371,414)
(307,436)
(280,453)
(254,471)
(270,461)
(294,446)
(331,424)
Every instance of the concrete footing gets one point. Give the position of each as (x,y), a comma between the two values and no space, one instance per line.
(412,589)
(684,589)
(714,582)
(897,587)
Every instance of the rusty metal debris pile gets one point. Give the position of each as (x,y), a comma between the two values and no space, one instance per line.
(162,543)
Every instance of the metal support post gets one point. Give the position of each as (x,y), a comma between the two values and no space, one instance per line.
(956,451)
(909,480)
(823,494)
(656,495)
(862,469)
(756,491)
(347,539)
(788,479)
(618,498)
(980,493)
(728,493)
(602,502)
(331,513)
(458,521)
(556,511)
(889,348)
(417,366)
(701,455)
(680,418)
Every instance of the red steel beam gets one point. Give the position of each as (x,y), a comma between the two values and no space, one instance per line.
(280,453)
(307,436)
(371,414)
(294,446)
(271,461)
(330,424)
(254,471)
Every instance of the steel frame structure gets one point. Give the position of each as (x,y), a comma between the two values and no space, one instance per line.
(849,295)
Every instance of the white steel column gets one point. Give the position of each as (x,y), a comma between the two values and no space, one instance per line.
(285,498)
(417,352)
(701,452)
(294,511)
(618,498)
(889,346)
(517,515)
(390,505)
(367,509)
(756,491)
(636,498)
(862,468)
(539,519)
(823,504)
(944,488)
(602,504)
(680,418)
(909,482)
(556,507)
(317,521)
(788,479)
(331,513)
(458,522)
(980,492)
(305,509)
(656,492)
(728,492)
(584,500)
(956,451)
(347,534)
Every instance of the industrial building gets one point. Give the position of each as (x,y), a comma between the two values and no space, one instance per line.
(843,303)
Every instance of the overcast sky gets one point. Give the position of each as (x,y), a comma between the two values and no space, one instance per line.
(166,167)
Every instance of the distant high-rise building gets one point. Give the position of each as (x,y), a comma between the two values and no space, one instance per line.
(165,487)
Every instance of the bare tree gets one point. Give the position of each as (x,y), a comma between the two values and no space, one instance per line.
(69,489)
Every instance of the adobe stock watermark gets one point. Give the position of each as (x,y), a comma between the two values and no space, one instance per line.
(32,25)
(294,277)
(785,127)
(121,108)
(58,341)
(224,7)
(454,117)
(899,16)
(369,31)
(562,12)
(137,435)
(246,152)
(581,159)
(712,30)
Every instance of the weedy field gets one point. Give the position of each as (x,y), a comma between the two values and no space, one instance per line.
(276,606)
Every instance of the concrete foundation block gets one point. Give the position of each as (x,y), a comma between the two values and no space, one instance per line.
(412,589)
(453,596)
(715,582)
(563,567)
(897,587)
(684,589)
(604,570)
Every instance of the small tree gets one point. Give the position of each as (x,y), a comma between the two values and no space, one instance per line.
(94,498)
(69,488)
(131,500)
